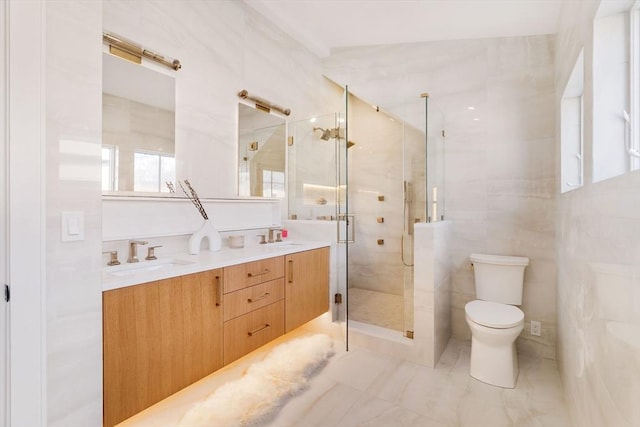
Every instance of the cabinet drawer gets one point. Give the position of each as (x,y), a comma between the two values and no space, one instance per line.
(252,330)
(252,298)
(251,273)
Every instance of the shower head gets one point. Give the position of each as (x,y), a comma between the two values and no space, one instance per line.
(326,133)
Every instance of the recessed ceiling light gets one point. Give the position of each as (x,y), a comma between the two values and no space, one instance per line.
(475,119)
(471,108)
(312,119)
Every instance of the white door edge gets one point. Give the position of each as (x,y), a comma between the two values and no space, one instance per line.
(4,319)
(26,212)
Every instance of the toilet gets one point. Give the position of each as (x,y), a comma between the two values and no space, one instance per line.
(494,319)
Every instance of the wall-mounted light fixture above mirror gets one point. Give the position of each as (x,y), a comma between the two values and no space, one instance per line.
(261,153)
(138,124)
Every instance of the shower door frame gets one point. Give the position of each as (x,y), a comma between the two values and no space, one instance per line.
(342,179)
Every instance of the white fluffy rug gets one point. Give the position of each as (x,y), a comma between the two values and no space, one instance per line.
(265,387)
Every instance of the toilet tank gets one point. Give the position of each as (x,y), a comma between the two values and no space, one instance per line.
(499,278)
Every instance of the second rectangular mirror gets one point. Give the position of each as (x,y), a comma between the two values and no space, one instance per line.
(261,153)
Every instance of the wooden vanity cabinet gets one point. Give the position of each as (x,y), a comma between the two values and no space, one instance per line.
(158,338)
(162,336)
(306,287)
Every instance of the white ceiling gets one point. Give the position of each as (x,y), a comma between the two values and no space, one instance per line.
(322,25)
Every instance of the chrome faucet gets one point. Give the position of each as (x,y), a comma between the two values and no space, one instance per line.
(133,249)
(278,239)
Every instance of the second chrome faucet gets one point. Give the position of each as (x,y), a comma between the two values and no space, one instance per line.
(278,238)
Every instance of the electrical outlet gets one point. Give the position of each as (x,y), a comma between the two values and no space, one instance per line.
(536,328)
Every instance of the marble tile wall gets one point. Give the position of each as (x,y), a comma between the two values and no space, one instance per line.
(442,292)
(598,256)
(499,166)
(73,276)
(432,288)
(224,47)
(124,218)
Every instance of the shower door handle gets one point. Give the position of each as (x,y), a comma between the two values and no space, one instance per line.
(348,230)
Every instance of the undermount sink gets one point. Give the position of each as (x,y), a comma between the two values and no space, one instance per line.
(280,246)
(145,266)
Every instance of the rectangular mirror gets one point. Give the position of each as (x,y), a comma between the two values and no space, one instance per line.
(138,127)
(261,153)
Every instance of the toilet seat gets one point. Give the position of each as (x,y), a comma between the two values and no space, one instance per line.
(493,314)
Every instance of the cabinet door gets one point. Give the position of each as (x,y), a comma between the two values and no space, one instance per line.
(158,338)
(201,335)
(307,286)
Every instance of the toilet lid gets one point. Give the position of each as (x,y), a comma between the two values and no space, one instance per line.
(493,314)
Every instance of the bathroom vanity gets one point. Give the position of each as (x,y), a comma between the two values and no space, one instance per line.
(162,335)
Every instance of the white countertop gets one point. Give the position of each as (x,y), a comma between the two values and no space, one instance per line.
(180,264)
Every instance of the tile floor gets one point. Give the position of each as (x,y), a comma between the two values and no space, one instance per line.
(363,388)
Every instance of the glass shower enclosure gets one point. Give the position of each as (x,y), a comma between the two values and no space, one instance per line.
(365,173)
(386,196)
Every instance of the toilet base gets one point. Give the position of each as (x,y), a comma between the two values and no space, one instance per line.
(494,365)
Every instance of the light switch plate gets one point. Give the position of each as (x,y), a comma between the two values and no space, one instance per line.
(72,226)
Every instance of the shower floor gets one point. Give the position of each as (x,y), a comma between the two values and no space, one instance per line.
(376,308)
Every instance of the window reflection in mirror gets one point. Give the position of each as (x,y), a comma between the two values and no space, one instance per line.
(261,153)
(138,127)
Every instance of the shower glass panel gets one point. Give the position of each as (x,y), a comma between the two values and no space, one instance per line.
(386,195)
(316,196)
(414,207)
(435,125)
(363,183)
(313,157)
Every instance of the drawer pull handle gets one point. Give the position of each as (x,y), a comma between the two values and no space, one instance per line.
(218,291)
(252,333)
(262,273)
(290,272)
(266,294)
